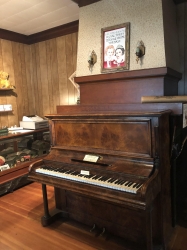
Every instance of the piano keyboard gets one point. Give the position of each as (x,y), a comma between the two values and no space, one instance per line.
(98,180)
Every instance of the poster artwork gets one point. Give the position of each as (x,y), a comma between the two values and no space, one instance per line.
(114,44)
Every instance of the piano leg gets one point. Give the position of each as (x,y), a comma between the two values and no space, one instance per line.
(149,242)
(47,219)
(153,230)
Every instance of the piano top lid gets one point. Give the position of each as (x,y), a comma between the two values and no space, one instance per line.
(110,114)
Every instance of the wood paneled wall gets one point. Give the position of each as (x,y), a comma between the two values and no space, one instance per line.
(40,73)
(15,59)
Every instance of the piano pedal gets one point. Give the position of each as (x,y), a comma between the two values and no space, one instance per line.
(93,229)
(103,233)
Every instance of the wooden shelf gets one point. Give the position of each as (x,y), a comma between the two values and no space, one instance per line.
(20,134)
(4,111)
(22,168)
(1,89)
(16,172)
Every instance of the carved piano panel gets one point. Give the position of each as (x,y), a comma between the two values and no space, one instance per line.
(105,135)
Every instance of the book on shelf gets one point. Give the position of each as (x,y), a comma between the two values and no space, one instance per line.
(3,131)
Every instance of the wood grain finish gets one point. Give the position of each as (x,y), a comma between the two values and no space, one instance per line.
(117,88)
(40,73)
(176,108)
(106,134)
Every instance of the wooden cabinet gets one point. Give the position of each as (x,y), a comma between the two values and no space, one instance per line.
(15,148)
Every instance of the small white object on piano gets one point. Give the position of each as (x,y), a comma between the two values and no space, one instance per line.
(84,172)
(91,158)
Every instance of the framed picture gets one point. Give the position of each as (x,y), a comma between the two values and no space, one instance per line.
(115,48)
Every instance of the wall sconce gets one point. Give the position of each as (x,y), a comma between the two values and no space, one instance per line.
(140,50)
(92,60)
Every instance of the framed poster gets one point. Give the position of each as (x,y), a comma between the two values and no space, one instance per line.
(115,48)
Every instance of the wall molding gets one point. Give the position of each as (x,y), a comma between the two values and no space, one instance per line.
(61,30)
(13,36)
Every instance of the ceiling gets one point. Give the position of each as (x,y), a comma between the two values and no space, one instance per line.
(32,16)
(28,17)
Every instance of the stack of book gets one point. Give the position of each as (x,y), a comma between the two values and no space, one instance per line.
(3,131)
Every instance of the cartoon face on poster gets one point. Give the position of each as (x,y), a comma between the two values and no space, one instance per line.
(115,48)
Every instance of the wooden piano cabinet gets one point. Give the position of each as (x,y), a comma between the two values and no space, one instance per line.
(139,227)
(131,146)
(132,143)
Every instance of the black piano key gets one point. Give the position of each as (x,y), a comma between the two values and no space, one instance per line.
(56,169)
(135,184)
(116,180)
(138,185)
(90,176)
(99,178)
(130,184)
(104,178)
(112,180)
(61,171)
(75,173)
(96,177)
(126,184)
(121,183)
(86,176)
(71,172)
(108,179)
(80,175)
(68,171)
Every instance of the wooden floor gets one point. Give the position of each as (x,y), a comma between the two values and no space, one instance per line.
(20,227)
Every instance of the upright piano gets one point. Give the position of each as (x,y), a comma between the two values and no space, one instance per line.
(111,172)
